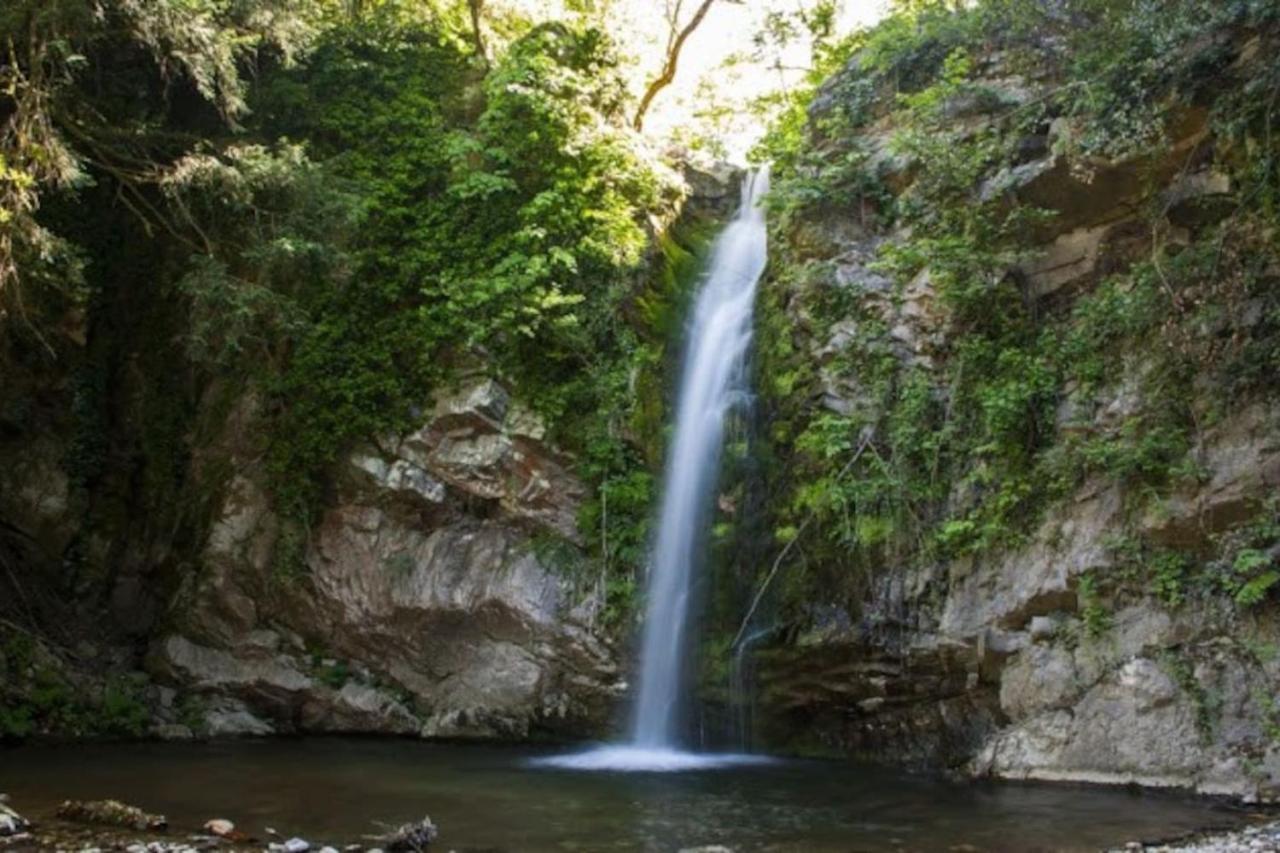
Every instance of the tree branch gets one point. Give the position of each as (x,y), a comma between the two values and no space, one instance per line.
(476,8)
(668,74)
(777,563)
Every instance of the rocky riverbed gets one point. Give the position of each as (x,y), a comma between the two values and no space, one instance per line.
(102,825)
(1248,840)
(67,836)
(97,826)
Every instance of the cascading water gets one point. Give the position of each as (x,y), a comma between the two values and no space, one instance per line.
(712,380)
(741,675)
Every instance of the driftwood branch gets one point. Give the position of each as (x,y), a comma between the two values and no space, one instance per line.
(412,837)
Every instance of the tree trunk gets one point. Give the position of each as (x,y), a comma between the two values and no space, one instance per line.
(476,7)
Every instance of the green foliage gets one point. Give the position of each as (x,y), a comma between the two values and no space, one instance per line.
(1095,616)
(1003,413)
(337,237)
(622,592)
(910,46)
(1257,567)
(1130,55)
(191,712)
(1240,562)
(16,722)
(1169,576)
(75,104)
(491,219)
(1270,710)
(333,674)
(1207,702)
(1142,452)
(995,409)
(38,697)
(1249,568)
(123,712)
(280,223)
(619,514)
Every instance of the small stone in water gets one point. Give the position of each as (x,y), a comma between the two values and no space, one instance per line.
(328,850)
(220,826)
(297,845)
(11,823)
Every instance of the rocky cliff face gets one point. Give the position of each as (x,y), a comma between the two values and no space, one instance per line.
(425,606)
(989,665)
(1083,650)
(428,603)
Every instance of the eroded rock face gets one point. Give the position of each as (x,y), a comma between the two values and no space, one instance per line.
(714,187)
(423,608)
(1006,664)
(989,665)
(1038,579)
(1242,458)
(482,444)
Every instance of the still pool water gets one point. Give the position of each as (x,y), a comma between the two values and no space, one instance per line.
(500,799)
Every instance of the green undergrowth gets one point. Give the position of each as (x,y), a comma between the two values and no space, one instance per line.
(380,216)
(1239,562)
(625,443)
(418,217)
(498,225)
(40,697)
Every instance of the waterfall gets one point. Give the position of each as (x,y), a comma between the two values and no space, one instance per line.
(712,380)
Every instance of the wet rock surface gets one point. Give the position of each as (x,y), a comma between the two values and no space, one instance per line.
(413,836)
(102,825)
(13,826)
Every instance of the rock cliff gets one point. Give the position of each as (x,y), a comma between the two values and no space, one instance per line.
(429,602)
(425,606)
(1086,620)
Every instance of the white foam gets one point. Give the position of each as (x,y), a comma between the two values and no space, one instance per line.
(637,759)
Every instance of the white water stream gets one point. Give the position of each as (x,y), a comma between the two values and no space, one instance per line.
(712,381)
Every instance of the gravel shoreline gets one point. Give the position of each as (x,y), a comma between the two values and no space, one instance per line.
(147,835)
(1264,837)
